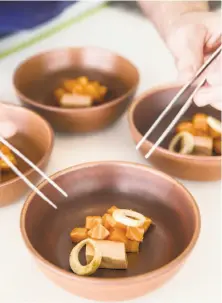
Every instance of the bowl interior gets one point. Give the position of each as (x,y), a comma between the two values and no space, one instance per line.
(38,77)
(94,189)
(151,105)
(33,139)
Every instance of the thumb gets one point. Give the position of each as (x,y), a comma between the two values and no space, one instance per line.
(187,46)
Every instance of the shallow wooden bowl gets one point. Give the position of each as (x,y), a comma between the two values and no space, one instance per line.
(143,113)
(36,79)
(34,139)
(92,189)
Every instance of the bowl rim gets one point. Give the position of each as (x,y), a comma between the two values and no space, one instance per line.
(55,109)
(175,263)
(164,151)
(46,154)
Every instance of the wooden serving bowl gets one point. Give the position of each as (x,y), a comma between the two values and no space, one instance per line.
(144,112)
(36,79)
(93,188)
(34,138)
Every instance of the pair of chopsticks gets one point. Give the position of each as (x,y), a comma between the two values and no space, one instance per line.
(173,101)
(24,178)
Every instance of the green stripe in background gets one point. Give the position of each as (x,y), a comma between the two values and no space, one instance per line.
(50,32)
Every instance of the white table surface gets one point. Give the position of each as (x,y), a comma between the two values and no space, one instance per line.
(135,38)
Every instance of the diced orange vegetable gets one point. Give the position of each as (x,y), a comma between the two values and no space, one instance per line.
(78,234)
(147,224)
(92,221)
(112,209)
(108,221)
(98,232)
(135,233)
(185,126)
(7,152)
(118,235)
(132,246)
(83,81)
(200,122)
(217,146)
(69,85)
(59,93)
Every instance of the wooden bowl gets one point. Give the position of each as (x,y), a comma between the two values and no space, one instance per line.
(34,139)
(92,188)
(36,79)
(142,114)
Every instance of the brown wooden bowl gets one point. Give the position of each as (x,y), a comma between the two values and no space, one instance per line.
(92,188)
(142,114)
(36,79)
(34,139)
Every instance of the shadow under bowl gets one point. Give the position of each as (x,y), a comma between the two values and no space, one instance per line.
(34,138)
(145,111)
(93,188)
(36,79)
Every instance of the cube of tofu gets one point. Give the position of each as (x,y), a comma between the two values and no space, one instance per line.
(118,235)
(92,221)
(112,209)
(113,254)
(147,224)
(78,234)
(75,100)
(135,233)
(132,246)
(203,145)
(98,232)
(108,221)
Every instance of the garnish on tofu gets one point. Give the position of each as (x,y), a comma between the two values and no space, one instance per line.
(91,267)
(197,137)
(80,92)
(117,232)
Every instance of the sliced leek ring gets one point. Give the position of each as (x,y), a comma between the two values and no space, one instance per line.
(90,268)
(215,124)
(187,143)
(126,217)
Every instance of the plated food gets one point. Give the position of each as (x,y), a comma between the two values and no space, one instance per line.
(7,152)
(108,238)
(79,93)
(77,89)
(191,163)
(201,136)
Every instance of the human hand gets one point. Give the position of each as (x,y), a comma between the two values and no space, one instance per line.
(7,128)
(191,39)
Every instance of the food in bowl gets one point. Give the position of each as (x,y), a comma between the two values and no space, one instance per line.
(8,153)
(201,136)
(108,238)
(80,92)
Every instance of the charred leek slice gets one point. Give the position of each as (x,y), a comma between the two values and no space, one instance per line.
(90,268)
(215,125)
(187,143)
(128,217)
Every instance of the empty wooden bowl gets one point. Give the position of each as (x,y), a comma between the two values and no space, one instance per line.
(34,138)
(144,112)
(93,188)
(36,79)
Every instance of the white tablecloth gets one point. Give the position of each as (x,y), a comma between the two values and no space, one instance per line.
(133,37)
